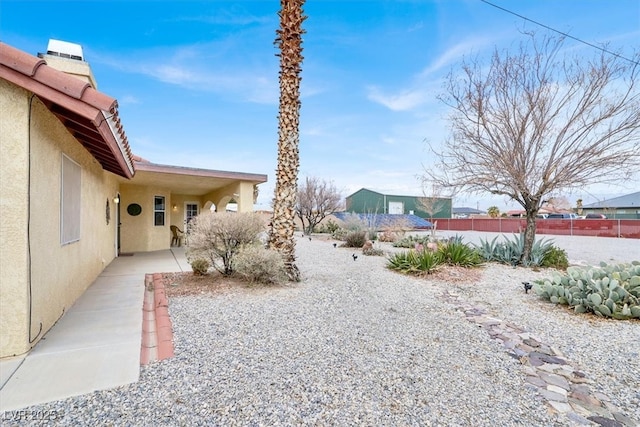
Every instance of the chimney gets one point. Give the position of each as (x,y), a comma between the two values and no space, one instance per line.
(67,57)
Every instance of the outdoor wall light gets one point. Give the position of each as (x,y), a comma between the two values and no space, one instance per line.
(175,207)
(116,200)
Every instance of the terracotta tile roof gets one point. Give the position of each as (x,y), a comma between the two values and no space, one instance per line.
(90,116)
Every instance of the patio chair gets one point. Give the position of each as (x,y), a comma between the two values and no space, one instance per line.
(176,240)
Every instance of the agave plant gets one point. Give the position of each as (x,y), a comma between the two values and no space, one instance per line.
(511,251)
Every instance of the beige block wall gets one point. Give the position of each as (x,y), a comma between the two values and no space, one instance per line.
(59,273)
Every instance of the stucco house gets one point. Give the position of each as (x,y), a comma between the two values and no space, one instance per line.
(72,194)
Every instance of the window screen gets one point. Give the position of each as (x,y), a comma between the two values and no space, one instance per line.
(70,201)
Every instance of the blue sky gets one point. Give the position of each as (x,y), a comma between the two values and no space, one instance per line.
(197,81)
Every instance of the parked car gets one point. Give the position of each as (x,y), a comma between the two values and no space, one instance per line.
(595,216)
(562,216)
(603,225)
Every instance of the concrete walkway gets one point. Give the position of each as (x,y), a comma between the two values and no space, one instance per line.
(96,344)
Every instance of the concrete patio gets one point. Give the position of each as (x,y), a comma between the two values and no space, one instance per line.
(96,344)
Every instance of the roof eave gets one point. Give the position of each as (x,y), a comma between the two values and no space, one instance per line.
(180,170)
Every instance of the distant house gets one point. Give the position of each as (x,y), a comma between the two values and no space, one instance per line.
(366,201)
(623,207)
(464,212)
(73,196)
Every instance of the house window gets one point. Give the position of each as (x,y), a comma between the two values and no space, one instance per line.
(70,203)
(158,210)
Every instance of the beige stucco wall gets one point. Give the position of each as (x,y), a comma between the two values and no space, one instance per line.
(178,214)
(138,233)
(59,273)
(222,196)
(14,105)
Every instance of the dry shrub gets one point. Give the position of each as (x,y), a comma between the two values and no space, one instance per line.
(389,236)
(257,264)
(395,230)
(200,266)
(355,239)
(217,237)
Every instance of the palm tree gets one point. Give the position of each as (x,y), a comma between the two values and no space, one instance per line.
(493,211)
(289,41)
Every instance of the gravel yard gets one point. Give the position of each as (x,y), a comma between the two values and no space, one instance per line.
(357,344)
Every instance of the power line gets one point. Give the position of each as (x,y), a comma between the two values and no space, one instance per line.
(560,32)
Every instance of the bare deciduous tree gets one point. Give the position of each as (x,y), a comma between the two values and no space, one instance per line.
(432,200)
(316,200)
(536,121)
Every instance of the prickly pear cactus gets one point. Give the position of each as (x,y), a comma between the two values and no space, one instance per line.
(609,290)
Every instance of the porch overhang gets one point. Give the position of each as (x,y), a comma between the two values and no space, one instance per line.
(190,181)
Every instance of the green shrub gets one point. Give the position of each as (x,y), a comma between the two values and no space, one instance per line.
(555,258)
(410,242)
(458,253)
(415,262)
(200,266)
(340,234)
(373,252)
(608,291)
(355,239)
(328,227)
(257,264)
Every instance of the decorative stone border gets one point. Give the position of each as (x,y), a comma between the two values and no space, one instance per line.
(565,387)
(157,332)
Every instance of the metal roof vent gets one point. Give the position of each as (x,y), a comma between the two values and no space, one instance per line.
(65,50)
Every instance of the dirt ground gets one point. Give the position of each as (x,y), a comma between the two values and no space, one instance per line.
(215,283)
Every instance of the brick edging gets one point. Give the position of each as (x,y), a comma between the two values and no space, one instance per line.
(157,332)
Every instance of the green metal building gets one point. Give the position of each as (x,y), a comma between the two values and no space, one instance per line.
(367,201)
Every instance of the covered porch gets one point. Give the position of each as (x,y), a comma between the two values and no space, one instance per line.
(161,196)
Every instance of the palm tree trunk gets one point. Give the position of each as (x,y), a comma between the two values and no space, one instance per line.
(289,41)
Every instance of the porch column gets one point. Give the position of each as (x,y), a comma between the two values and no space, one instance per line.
(245,201)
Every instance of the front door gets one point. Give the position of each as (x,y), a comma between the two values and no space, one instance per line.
(118,224)
(190,211)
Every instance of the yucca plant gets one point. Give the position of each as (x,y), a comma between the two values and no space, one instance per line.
(414,262)
(458,253)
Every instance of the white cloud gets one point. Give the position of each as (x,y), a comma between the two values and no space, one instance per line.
(128,99)
(456,53)
(194,68)
(406,100)
(424,85)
